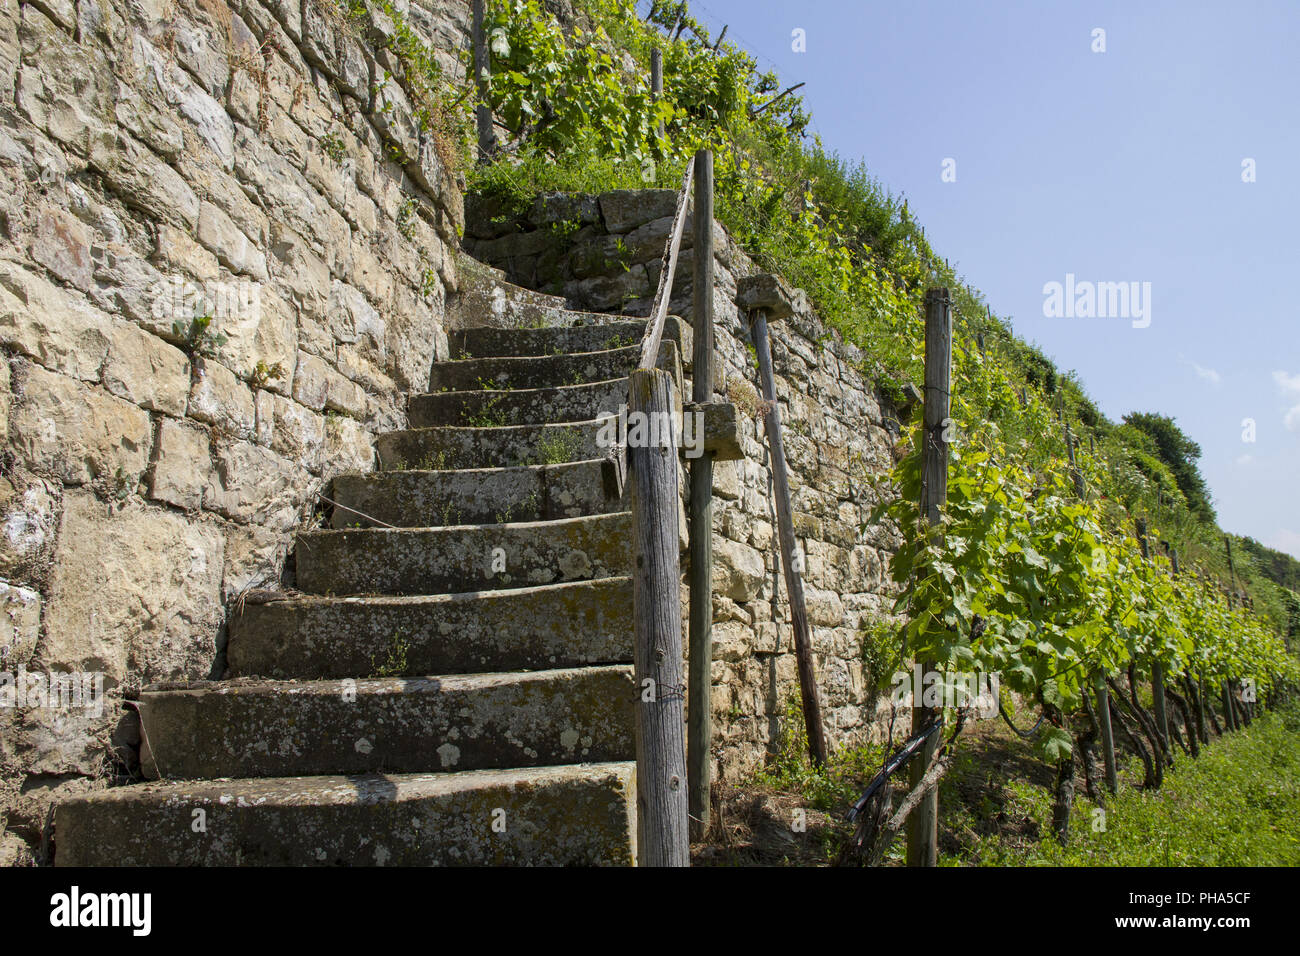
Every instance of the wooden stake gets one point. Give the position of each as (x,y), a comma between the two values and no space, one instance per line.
(487,139)
(1157,669)
(663,829)
(789,547)
(923,824)
(657,79)
(1107,736)
(699,676)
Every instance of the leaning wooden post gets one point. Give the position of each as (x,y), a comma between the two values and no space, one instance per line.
(761,296)
(923,824)
(1157,669)
(487,141)
(699,682)
(663,828)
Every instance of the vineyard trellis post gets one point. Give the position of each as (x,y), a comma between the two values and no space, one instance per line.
(923,824)
(1107,735)
(699,678)
(657,79)
(487,140)
(1157,669)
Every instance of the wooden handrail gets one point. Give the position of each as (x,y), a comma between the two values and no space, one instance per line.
(659,311)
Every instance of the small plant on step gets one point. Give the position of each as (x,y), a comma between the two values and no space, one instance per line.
(434,461)
(557,447)
(395,665)
(489,415)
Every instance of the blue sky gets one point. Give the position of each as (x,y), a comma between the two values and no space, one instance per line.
(1115,166)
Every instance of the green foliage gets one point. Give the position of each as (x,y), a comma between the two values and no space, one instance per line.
(1180,455)
(882,652)
(1025,577)
(198,337)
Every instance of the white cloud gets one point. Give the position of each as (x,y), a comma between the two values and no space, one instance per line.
(1209,374)
(1289,386)
(1285,540)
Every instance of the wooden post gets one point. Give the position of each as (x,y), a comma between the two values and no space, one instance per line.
(812,714)
(657,79)
(1074,468)
(1157,669)
(487,139)
(663,828)
(1107,737)
(923,824)
(699,676)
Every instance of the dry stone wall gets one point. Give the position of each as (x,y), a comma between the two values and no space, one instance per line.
(603,253)
(155,155)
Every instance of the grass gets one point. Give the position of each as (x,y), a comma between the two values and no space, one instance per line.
(1237,805)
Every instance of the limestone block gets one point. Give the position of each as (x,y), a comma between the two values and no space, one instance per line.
(79,434)
(252,484)
(54,327)
(218,232)
(145,370)
(135,593)
(20,624)
(625,209)
(319,386)
(182,466)
(220,399)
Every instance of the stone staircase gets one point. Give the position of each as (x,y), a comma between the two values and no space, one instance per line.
(452,683)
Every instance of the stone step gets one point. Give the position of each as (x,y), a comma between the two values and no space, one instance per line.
(553,626)
(451,447)
(547,816)
(532,406)
(464,558)
(486,297)
(258,728)
(490,408)
(486,341)
(533,371)
(587,332)
(423,499)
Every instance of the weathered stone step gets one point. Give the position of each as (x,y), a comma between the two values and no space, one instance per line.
(554,626)
(532,406)
(487,341)
(465,558)
(423,499)
(486,297)
(251,728)
(548,816)
(587,332)
(533,371)
(451,447)
(489,408)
